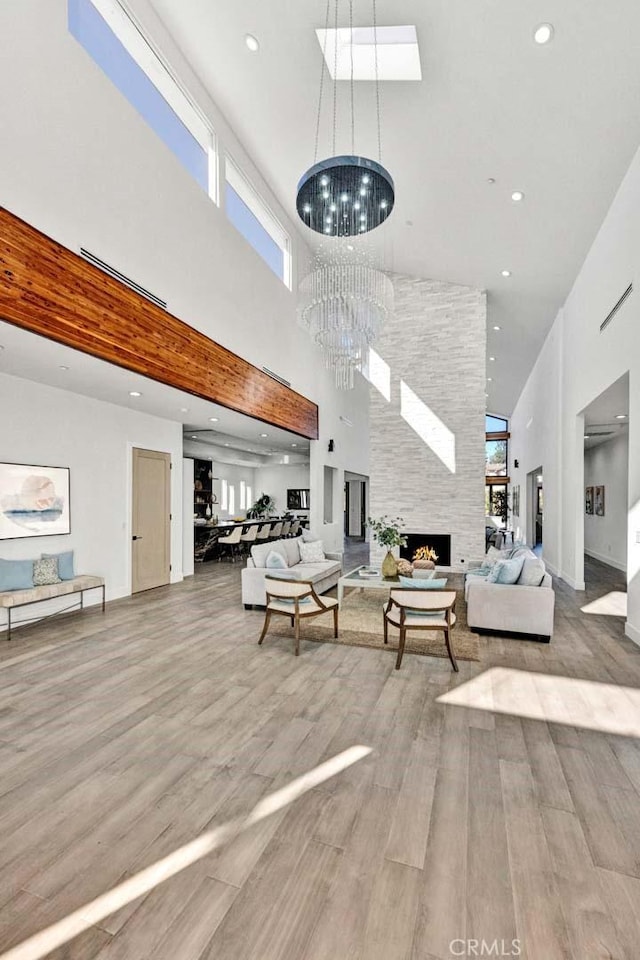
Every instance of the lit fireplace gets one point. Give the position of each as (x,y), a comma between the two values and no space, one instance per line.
(440,543)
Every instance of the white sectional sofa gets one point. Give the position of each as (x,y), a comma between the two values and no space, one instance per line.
(323,574)
(511,608)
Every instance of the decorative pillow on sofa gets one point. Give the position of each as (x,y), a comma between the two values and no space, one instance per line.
(275,561)
(16,575)
(45,571)
(261,551)
(292,550)
(307,536)
(533,572)
(494,554)
(65,564)
(419,584)
(506,571)
(312,552)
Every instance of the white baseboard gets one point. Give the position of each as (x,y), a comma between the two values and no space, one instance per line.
(550,568)
(632,632)
(609,561)
(574,584)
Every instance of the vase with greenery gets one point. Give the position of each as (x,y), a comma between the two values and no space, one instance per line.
(263,506)
(387,532)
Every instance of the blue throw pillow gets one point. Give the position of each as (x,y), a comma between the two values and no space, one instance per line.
(275,561)
(16,575)
(287,574)
(506,571)
(423,584)
(65,564)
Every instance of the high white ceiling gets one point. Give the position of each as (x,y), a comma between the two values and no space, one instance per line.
(559,122)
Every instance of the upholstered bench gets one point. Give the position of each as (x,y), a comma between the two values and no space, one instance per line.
(11,599)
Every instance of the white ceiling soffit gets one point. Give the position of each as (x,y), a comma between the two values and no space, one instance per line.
(35,358)
(558,122)
(350,53)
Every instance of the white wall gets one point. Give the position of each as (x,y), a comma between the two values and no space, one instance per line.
(605,538)
(276,480)
(585,362)
(44,425)
(188,533)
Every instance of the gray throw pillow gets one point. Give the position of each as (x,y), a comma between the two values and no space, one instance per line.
(45,572)
(533,572)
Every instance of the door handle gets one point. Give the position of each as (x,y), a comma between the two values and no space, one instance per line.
(136,538)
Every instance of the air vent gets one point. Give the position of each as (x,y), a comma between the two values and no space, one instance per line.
(625,296)
(275,376)
(101,265)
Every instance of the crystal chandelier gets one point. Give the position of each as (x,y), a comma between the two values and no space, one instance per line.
(343,304)
(345,300)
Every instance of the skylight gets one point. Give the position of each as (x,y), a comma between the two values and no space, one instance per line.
(398,53)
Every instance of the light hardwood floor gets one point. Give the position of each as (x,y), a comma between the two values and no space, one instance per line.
(126,735)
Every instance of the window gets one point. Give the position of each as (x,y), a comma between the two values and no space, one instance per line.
(232,500)
(496,461)
(224,495)
(249,500)
(251,217)
(120,49)
(243,495)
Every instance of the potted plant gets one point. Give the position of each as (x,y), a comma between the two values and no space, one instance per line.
(386,532)
(263,506)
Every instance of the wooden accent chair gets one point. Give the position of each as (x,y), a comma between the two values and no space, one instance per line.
(410,609)
(297,600)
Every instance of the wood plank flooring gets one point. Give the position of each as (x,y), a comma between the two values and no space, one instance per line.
(125,736)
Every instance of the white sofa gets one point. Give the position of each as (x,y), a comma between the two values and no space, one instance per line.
(502,608)
(324,574)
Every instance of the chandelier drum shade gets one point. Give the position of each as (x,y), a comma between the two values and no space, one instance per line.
(343,305)
(345,196)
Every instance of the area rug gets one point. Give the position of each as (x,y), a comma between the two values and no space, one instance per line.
(361,626)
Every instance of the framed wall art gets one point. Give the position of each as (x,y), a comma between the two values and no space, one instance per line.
(34,501)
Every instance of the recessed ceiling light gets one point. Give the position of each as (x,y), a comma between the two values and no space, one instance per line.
(543,33)
(517,196)
(252,42)
(62,367)
(213,419)
(134,393)
(489,379)
(264,434)
(621,416)
(506,273)
(492,359)
(184,409)
(194,437)
(226,444)
(587,436)
(491,180)
(496,327)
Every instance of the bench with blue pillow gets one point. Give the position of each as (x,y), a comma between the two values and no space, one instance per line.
(25,582)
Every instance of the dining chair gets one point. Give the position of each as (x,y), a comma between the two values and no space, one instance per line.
(263,532)
(249,536)
(230,543)
(276,531)
(286,528)
(295,528)
(414,609)
(297,600)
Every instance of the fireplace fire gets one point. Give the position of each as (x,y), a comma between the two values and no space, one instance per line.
(440,543)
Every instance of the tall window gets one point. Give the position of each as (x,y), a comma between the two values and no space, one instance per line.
(252,218)
(496,460)
(249,500)
(232,499)
(224,495)
(243,495)
(120,49)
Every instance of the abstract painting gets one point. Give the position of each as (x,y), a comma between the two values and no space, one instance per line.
(599,502)
(34,501)
(588,501)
